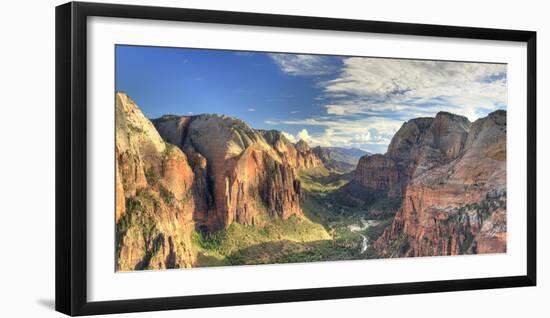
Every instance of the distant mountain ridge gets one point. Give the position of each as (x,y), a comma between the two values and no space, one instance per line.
(339,159)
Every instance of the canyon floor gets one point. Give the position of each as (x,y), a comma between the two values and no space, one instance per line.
(330,230)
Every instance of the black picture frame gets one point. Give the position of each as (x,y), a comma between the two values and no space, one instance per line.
(71,157)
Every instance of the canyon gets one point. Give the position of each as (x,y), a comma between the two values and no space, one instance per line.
(452,174)
(209,190)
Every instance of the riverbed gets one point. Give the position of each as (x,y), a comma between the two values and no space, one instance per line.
(362,226)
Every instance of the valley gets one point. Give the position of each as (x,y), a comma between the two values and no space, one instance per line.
(209,190)
(328,231)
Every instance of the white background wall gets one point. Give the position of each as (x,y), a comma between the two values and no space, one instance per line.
(27,158)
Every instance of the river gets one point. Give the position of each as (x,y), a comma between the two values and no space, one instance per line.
(365,224)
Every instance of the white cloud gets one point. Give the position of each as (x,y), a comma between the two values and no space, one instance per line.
(316,140)
(303,65)
(290,137)
(304,135)
(340,109)
(352,125)
(368,99)
(339,132)
(252,109)
(367,85)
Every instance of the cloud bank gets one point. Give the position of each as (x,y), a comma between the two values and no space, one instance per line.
(366,100)
(416,88)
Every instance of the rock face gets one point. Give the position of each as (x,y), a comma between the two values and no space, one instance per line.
(248,175)
(378,172)
(299,156)
(340,160)
(307,158)
(179,175)
(419,145)
(154,201)
(423,143)
(175,175)
(455,194)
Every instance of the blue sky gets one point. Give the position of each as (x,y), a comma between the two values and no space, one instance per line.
(325,100)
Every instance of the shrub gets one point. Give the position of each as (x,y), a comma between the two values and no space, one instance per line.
(152,176)
(167,195)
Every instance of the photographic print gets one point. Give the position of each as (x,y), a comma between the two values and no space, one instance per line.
(239,158)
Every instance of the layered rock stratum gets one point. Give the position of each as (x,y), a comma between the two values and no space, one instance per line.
(378,172)
(453,179)
(299,156)
(154,201)
(182,176)
(248,174)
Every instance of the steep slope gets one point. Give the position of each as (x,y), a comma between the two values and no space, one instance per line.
(429,146)
(455,199)
(340,160)
(248,178)
(308,157)
(299,156)
(154,201)
(419,145)
(378,172)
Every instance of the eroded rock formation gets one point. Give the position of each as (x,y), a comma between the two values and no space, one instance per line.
(180,174)
(248,174)
(455,194)
(176,176)
(419,145)
(154,201)
(299,155)
(378,172)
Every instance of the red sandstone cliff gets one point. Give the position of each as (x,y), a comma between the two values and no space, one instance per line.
(378,172)
(154,202)
(299,155)
(204,173)
(455,197)
(247,177)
